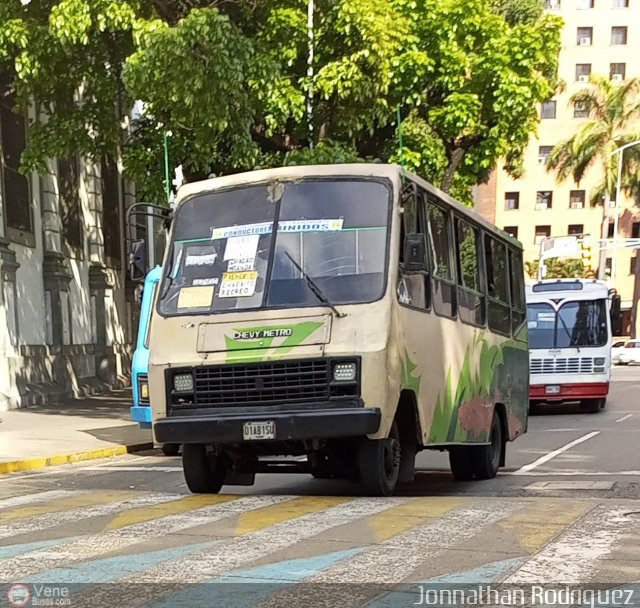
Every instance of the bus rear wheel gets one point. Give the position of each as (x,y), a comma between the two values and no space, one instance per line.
(379,463)
(593,406)
(203,476)
(481,461)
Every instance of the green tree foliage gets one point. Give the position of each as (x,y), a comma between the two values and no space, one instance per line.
(230,81)
(557,268)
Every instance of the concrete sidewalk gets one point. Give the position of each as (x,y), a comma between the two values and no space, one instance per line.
(69,431)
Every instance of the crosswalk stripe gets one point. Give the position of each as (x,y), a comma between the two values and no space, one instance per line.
(538,521)
(93,545)
(26,499)
(46,518)
(571,557)
(75,501)
(173,507)
(242,550)
(276,514)
(396,520)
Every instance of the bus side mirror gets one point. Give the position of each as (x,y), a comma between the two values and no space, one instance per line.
(138,260)
(414,252)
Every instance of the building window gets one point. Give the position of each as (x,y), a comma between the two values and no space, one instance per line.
(512,231)
(15,186)
(607,266)
(632,264)
(617,71)
(610,230)
(583,71)
(580,110)
(553,5)
(544,198)
(542,232)
(543,154)
(619,3)
(576,199)
(584,36)
(575,229)
(548,109)
(70,204)
(619,34)
(110,210)
(583,4)
(511,200)
(635,230)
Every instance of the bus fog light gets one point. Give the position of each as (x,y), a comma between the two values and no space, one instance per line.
(598,370)
(344,372)
(599,361)
(183,383)
(144,391)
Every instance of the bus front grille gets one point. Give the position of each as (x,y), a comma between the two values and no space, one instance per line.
(269,382)
(564,365)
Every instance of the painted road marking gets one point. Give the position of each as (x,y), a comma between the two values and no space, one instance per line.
(565,473)
(624,418)
(29,499)
(396,520)
(573,556)
(92,545)
(547,457)
(244,549)
(538,522)
(570,485)
(293,508)
(133,469)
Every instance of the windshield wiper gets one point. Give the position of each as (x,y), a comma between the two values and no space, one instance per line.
(315,289)
(566,329)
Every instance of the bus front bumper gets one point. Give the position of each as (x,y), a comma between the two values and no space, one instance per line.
(290,425)
(142,415)
(568,392)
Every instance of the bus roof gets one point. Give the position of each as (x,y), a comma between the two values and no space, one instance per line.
(559,289)
(384,170)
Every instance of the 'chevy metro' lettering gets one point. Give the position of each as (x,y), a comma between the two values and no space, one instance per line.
(262,333)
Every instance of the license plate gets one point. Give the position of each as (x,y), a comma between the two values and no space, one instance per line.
(553,389)
(252,431)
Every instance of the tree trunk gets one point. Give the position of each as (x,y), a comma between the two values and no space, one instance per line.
(456,158)
(636,294)
(604,234)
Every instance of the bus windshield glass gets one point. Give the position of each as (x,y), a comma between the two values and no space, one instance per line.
(225,254)
(576,324)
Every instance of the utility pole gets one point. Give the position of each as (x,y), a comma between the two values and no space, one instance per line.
(310,11)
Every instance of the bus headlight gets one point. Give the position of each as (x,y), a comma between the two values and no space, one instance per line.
(183,383)
(599,361)
(344,372)
(598,370)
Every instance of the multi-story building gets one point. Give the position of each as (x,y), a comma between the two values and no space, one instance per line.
(599,37)
(65,315)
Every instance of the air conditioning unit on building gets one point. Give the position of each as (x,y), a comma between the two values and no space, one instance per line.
(616,77)
(576,205)
(585,41)
(583,78)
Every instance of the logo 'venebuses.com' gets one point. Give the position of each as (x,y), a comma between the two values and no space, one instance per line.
(18,595)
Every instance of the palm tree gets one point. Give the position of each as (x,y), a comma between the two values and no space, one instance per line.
(614,120)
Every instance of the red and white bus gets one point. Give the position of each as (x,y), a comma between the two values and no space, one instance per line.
(569,342)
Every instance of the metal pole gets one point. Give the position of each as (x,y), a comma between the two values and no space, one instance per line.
(310,10)
(167,183)
(614,253)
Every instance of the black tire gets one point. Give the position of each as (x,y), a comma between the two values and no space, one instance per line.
(170,449)
(478,462)
(460,463)
(486,461)
(379,463)
(202,476)
(593,406)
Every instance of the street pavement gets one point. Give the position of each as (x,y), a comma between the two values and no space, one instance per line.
(125,531)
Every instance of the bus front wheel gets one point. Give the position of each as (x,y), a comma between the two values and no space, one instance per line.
(379,463)
(170,449)
(478,462)
(203,476)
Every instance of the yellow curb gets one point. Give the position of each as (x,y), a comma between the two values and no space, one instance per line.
(49,461)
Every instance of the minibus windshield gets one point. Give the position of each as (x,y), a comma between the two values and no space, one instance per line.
(225,254)
(576,324)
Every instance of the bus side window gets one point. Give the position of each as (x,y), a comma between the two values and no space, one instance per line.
(413,287)
(518,302)
(443,290)
(471,300)
(497,285)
